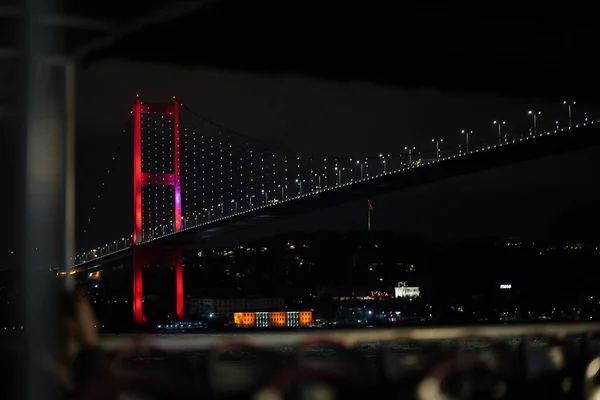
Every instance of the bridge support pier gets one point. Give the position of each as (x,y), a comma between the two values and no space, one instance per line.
(163,256)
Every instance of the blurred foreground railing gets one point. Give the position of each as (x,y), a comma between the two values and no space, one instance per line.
(476,362)
(202,341)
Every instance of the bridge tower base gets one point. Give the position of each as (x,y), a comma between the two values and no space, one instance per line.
(153,255)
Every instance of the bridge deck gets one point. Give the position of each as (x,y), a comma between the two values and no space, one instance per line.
(516,151)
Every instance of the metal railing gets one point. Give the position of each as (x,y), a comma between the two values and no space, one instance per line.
(475,362)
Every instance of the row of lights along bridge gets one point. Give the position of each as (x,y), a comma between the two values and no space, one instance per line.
(408,159)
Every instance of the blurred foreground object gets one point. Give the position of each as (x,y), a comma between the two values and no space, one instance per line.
(509,362)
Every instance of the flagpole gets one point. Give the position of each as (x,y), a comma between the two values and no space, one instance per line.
(369,209)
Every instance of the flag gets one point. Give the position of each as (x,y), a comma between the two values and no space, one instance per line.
(370,205)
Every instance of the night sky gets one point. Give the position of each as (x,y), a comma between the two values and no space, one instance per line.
(552,198)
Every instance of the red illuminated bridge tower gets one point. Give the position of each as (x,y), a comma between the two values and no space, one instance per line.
(145,254)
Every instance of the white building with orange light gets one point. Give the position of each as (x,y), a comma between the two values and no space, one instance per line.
(273,319)
(403,290)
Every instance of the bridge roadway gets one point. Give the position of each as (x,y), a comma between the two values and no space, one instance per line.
(528,148)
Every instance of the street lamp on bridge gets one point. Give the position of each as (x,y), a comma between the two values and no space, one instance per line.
(437,146)
(299,182)
(534,114)
(319,181)
(264,192)
(339,174)
(362,170)
(410,151)
(569,104)
(282,191)
(499,123)
(384,159)
(466,134)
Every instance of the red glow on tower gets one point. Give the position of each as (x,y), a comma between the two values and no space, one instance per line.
(178,261)
(138,267)
(140,178)
(137,171)
(177,165)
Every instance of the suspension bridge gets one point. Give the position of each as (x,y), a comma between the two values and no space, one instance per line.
(193,179)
